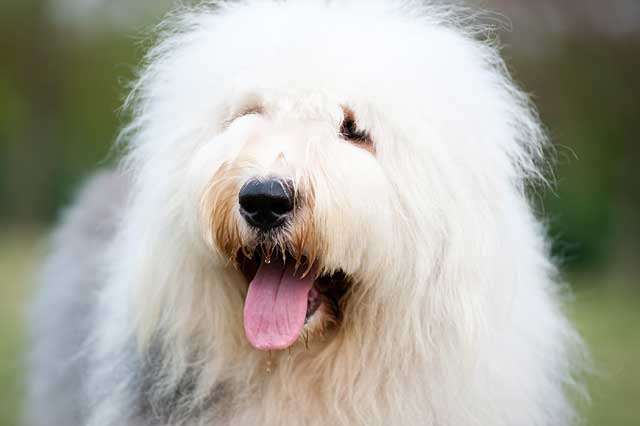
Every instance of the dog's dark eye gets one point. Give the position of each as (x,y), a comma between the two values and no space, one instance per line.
(349,131)
(249,110)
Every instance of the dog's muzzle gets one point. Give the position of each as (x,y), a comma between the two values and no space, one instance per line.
(266,203)
(288,294)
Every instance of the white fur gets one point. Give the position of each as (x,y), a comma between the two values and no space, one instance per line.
(455,316)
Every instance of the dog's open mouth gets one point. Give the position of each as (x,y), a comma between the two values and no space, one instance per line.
(283,296)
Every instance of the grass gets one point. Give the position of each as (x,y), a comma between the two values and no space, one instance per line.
(19,252)
(607,316)
(606,311)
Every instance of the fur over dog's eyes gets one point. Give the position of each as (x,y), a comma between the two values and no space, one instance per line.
(350,131)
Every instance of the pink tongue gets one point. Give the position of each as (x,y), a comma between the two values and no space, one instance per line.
(276,305)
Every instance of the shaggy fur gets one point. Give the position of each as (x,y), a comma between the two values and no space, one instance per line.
(451,314)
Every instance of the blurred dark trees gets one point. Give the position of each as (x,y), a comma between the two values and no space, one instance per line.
(588,96)
(61,85)
(59,97)
(580,59)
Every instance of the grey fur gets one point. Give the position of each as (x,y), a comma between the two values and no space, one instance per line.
(171,406)
(67,383)
(64,310)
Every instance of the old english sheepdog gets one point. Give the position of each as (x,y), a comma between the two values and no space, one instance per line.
(321,219)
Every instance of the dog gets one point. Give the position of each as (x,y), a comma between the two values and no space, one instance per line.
(321,218)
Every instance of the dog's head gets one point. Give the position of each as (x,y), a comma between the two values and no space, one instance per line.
(336,161)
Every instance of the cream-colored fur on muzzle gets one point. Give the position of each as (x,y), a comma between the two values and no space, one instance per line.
(452,316)
(338,186)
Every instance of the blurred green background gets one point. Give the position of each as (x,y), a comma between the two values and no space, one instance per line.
(64,65)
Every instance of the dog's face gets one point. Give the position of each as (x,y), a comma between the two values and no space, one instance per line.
(328,175)
(302,208)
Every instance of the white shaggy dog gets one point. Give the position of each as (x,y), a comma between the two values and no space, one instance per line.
(322,220)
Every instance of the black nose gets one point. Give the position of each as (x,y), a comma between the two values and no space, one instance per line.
(266,204)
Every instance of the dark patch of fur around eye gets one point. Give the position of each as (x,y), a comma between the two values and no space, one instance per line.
(255,109)
(350,131)
(252,109)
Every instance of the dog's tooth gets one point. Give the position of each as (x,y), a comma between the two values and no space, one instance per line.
(269,363)
(309,267)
